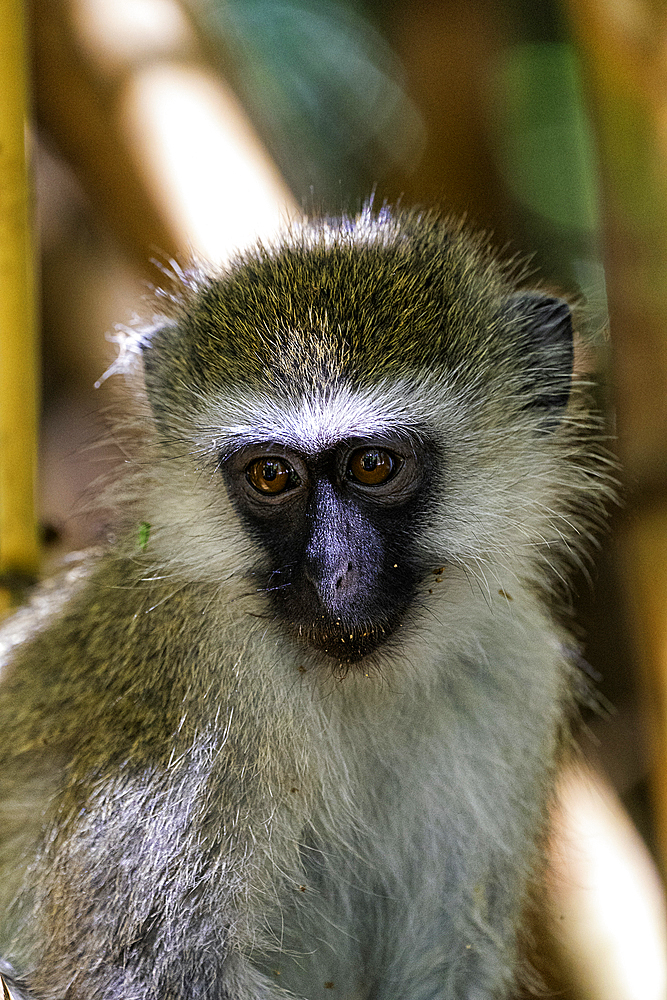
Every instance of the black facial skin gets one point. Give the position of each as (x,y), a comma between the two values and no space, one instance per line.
(339,528)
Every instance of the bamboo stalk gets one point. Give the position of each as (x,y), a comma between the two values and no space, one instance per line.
(18,392)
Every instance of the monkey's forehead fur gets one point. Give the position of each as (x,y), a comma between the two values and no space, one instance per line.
(336,303)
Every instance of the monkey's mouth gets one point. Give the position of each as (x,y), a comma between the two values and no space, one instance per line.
(342,643)
(345,628)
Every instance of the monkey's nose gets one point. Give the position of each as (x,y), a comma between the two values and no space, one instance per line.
(335,582)
(346,579)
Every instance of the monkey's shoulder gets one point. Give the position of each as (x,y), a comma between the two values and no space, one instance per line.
(98,658)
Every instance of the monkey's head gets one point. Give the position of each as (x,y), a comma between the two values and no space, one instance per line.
(364,404)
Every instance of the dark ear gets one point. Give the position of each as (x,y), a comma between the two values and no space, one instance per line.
(159,349)
(543,331)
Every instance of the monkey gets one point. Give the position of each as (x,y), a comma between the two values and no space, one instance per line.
(293,732)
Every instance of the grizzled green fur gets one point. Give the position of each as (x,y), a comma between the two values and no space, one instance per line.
(422,295)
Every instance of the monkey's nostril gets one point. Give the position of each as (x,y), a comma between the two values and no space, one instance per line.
(345,578)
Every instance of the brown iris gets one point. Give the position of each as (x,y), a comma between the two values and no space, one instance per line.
(270,475)
(371,466)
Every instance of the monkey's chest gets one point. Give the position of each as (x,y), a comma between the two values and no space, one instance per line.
(328,934)
(362,917)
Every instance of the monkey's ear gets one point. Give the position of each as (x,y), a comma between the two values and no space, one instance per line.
(546,343)
(159,345)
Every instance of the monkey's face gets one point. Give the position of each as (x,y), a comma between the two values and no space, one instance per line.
(336,525)
(380,400)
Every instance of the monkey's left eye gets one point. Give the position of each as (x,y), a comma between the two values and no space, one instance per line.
(371,466)
(271,475)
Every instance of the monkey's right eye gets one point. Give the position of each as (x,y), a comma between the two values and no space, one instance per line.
(271,476)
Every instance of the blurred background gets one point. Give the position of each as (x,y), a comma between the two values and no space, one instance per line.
(163,128)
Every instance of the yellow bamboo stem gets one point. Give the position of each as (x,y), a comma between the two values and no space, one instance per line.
(18,396)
